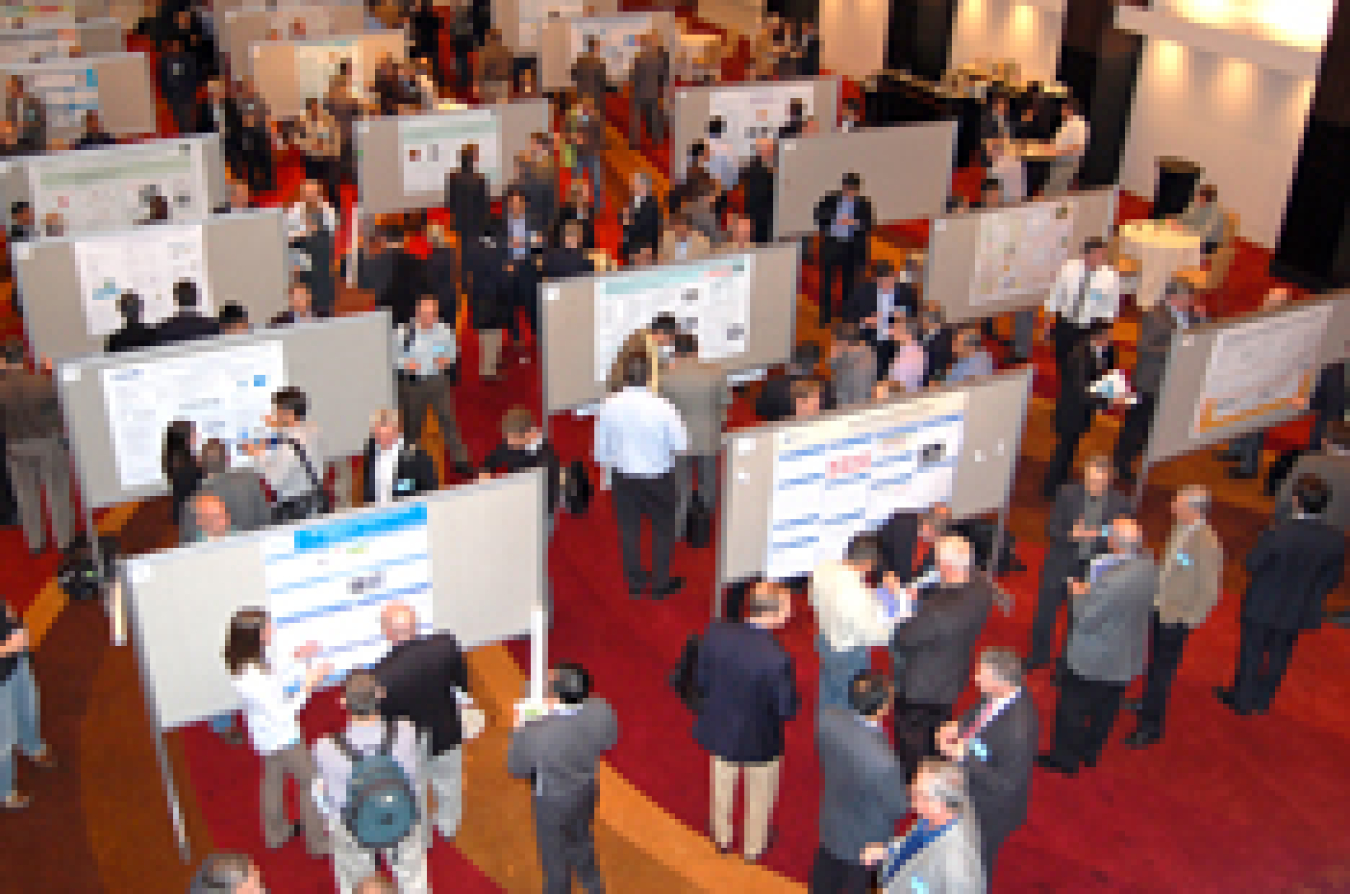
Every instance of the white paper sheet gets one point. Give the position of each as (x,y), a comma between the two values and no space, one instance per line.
(429,147)
(148,262)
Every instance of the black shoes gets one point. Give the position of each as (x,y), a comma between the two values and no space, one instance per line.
(673,586)
(1229,700)
(1242,474)
(1142,738)
(1049,761)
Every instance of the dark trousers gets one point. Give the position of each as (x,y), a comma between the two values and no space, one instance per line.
(1062,462)
(915,725)
(418,394)
(835,256)
(562,828)
(762,219)
(1066,337)
(831,875)
(1087,710)
(884,350)
(1263,657)
(1248,449)
(1051,596)
(259,170)
(1166,643)
(523,289)
(328,171)
(184,111)
(657,499)
(1134,431)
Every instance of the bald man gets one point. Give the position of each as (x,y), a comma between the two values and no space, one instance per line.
(423,677)
(212,517)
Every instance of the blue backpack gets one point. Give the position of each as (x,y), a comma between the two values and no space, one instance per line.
(381,806)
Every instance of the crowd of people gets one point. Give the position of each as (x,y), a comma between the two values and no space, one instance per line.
(890,745)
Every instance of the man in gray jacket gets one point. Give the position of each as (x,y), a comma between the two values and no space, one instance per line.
(862,785)
(941,853)
(699,391)
(241,490)
(647,83)
(1108,638)
(558,753)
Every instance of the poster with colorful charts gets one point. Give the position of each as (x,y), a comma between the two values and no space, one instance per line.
(429,147)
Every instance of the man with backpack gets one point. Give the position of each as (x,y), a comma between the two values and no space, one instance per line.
(367,792)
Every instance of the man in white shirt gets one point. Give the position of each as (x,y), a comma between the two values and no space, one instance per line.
(1087,290)
(394,468)
(852,617)
(292,460)
(1069,145)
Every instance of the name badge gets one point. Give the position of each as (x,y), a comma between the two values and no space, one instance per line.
(918,886)
(979,749)
(1183,560)
(404,484)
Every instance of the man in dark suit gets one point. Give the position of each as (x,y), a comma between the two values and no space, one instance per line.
(591,77)
(1077,404)
(877,305)
(568,259)
(939,343)
(394,470)
(641,218)
(467,197)
(523,244)
(908,539)
(1291,570)
(490,308)
(1327,402)
(134,334)
(1108,639)
(935,648)
(1074,529)
(178,81)
(745,679)
(774,403)
(187,323)
(757,189)
(844,220)
(1332,465)
(996,743)
(863,792)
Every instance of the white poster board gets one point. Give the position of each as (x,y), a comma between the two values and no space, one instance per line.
(839,477)
(328,581)
(317,61)
(225,393)
(618,38)
(67,87)
(99,190)
(1260,367)
(35,45)
(147,262)
(1021,250)
(429,147)
(752,111)
(710,299)
(531,15)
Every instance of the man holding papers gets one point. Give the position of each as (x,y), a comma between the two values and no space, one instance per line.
(1082,393)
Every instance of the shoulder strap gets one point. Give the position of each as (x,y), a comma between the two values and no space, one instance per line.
(387,742)
(304,461)
(345,746)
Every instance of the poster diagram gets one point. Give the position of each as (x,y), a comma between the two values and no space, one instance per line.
(835,478)
(618,37)
(709,299)
(328,581)
(107,189)
(756,111)
(67,87)
(429,146)
(317,61)
(146,262)
(226,393)
(1259,367)
(35,45)
(1020,251)
(532,14)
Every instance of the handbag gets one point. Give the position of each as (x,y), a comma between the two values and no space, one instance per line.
(698,525)
(682,677)
(315,503)
(577,490)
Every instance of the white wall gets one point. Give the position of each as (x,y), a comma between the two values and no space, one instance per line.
(1241,123)
(853,36)
(1008,29)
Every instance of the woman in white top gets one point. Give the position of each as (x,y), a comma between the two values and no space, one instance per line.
(271,708)
(291,459)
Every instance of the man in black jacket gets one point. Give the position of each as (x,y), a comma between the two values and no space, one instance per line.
(1291,570)
(844,220)
(907,541)
(393,469)
(424,677)
(178,80)
(1077,405)
(757,189)
(774,403)
(187,323)
(134,334)
(569,259)
(996,743)
(641,218)
(467,197)
(524,446)
(877,306)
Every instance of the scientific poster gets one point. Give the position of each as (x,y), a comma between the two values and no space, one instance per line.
(429,146)
(328,581)
(1020,252)
(226,393)
(618,37)
(711,299)
(68,88)
(34,45)
(147,262)
(316,61)
(106,189)
(1258,367)
(837,477)
(317,21)
(757,110)
(532,14)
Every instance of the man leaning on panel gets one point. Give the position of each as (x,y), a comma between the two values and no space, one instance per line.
(394,469)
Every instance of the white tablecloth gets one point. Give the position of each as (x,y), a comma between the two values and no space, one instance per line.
(1161,251)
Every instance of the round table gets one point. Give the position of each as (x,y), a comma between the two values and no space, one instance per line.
(1161,249)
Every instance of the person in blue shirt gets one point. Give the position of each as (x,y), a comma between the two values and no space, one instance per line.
(972,360)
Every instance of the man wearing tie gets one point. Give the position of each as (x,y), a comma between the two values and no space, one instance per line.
(875,307)
(996,744)
(844,219)
(394,469)
(1188,590)
(1087,289)
(862,785)
(1108,639)
(1075,530)
(1156,328)
(1077,404)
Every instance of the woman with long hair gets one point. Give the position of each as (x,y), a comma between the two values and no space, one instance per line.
(271,708)
(178,459)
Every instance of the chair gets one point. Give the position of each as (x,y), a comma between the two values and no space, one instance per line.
(1211,276)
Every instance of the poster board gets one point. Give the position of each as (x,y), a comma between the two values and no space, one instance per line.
(905,173)
(521,21)
(44,42)
(561,41)
(957,444)
(1233,377)
(961,272)
(116,85)
(480,573)
(15,15)
(748,109)
(343,364)
(238,258)
(104,188)
(290,71)
(580,316)
(401,161)
(241,28)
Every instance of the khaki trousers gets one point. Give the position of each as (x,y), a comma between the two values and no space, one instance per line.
(761,791)
(297,763)
(37,465)
(415,396)
(353,864)
(489,352)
